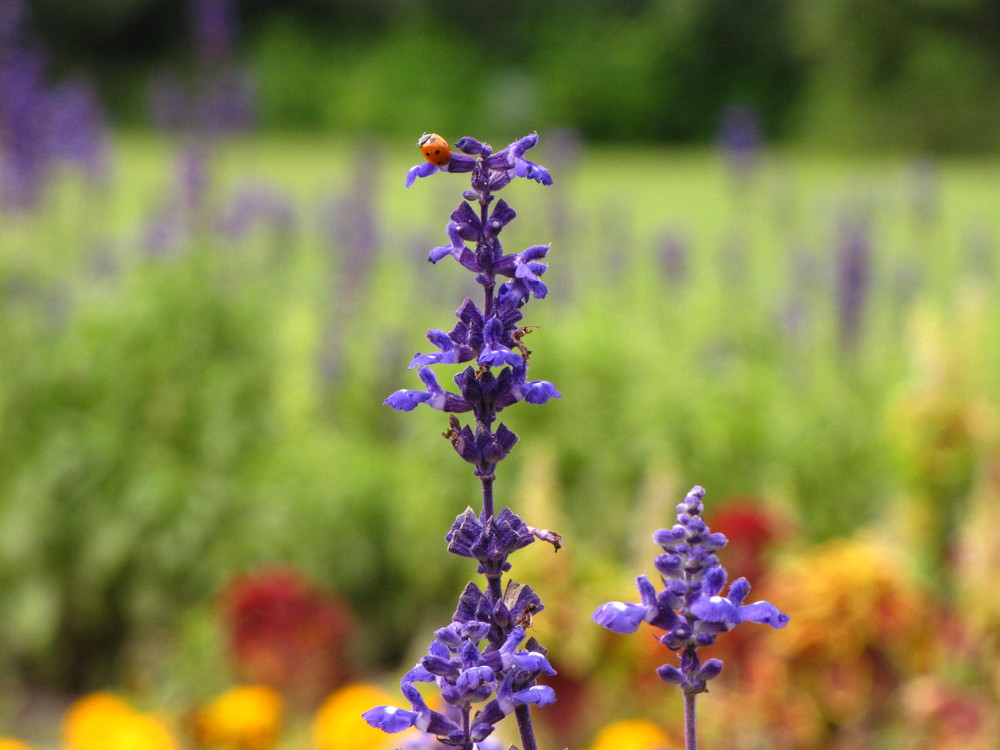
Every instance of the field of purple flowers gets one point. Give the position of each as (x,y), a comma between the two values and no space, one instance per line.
(200,486)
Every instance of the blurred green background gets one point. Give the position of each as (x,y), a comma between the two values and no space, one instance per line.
(899,74)
(773,273)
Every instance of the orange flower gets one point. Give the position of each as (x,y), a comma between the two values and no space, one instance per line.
(632,735)
(339,725)
(242,718)
(101,721)
(6,743)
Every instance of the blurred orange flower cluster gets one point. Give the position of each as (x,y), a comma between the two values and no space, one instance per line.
(338,722)
(633,734)
(102,721)
(861,627)
(248,717)
(242,718)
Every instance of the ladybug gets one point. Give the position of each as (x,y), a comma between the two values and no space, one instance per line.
(435,148)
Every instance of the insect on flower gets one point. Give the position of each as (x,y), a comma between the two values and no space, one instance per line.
(435,149)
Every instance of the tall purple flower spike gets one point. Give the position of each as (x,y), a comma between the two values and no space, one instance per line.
(483,664)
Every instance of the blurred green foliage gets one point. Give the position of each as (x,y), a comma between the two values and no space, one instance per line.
(176,422)
(905,73)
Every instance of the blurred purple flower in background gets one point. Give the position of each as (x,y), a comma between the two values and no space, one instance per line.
(214,28)
(41,126)
(740,139)
(80,130)
(853,255)
(218,100)
(256,206)
(674,257)
(220,97)
(350,226)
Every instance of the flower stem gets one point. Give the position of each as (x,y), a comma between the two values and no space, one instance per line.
(487,497)
(524,726)
(690,729)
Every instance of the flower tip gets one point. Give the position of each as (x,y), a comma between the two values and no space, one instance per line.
(389,719)
(670,675)
(619,617)
(540,391)
(404,400)
(709,670)
(426,169)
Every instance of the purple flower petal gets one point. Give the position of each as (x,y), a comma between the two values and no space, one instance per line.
(713,582)
(533,661)
(470,146)
(620,617)
(426,169)
(764,612)
(404,400)
(540,391)
(738,591)
(459,163)
(389,718)
(709,670)
(717,609)
(539,695)
(518,147)
(671,675)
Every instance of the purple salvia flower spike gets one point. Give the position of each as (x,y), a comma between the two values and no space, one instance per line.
(690,608)
(479,658)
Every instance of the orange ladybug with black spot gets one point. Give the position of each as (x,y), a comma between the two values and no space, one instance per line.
(435,149)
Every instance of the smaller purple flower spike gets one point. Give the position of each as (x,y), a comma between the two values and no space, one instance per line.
(690,607)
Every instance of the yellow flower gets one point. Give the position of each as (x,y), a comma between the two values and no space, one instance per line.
(7,743)
(242,718)
(338,724)
(632,735)
(101,721)
(91,719)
